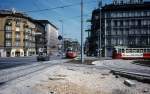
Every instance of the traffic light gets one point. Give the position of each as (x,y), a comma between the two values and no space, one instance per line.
(60,37)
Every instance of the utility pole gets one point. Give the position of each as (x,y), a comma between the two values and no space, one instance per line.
(99,33)
(82,49)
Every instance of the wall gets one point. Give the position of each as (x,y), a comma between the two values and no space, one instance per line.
(52,37)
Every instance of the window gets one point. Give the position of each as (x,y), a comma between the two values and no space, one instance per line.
(141,50)
(33,38)
(17,43)
(142,13)
(142,31)
(128,50)
(136,22)
(18,22)
(120,41)
(96,17)
(114,23)
(114,41)
(119,50)
(131,22)
(124,14)
(123,51)
(108,23)
(17,35)
(26,36)
(144,22)
(107,14)
(130,14)
(119,32)
(136,13)
(118,23)
(29,31)
(134,50)
(148,13)
(125,32)
(8,28)
(124,23)
(26,30)
(145,13)
(8,43)
(114,32)
(148,50)
(8,35)
(27,44)
(121,23)
(137,31)
(30,44)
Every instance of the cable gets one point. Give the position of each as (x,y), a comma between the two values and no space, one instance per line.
(48,9)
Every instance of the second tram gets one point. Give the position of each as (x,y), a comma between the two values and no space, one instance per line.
(131,53)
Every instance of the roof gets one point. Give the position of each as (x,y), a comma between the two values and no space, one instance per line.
(4,13)
(47,22)
(127,7)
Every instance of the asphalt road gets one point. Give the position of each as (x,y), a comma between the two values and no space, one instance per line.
(9,62)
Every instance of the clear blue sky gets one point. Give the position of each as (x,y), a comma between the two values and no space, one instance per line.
(70,15)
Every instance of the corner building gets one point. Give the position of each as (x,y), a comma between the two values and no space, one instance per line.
(17,34)
(124,23)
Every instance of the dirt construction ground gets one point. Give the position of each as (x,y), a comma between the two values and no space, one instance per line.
(73,79)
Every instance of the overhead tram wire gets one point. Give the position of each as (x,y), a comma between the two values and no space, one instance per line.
(76,17)
(59,7)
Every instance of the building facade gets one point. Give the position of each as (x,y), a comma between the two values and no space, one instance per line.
(123,23)
(40,36)
(51,35)
(21,35)
(17,34)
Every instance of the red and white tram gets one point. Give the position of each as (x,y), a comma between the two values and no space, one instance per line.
(131,53)
(70,53)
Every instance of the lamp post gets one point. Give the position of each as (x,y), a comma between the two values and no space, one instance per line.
(82,49)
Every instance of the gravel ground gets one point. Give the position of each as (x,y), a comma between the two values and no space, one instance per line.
(125,64)
(72,79)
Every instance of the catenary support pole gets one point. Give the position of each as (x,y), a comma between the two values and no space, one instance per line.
(82,49)
(99,37)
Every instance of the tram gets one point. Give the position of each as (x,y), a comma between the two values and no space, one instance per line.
(70,53)
(131,53)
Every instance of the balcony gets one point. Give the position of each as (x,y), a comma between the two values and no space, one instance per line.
(8,23)
(26,26)
(8,38)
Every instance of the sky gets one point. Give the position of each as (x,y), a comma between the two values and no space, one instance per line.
(69,15)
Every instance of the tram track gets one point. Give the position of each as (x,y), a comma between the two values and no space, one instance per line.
(137,74)
(126,69)
(7,75)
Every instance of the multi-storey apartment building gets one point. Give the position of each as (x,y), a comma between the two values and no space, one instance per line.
(123,23)
(17,34)
(20,35)
(40,36)
(51,35)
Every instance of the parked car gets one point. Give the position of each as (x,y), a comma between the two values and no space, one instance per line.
(43,57)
